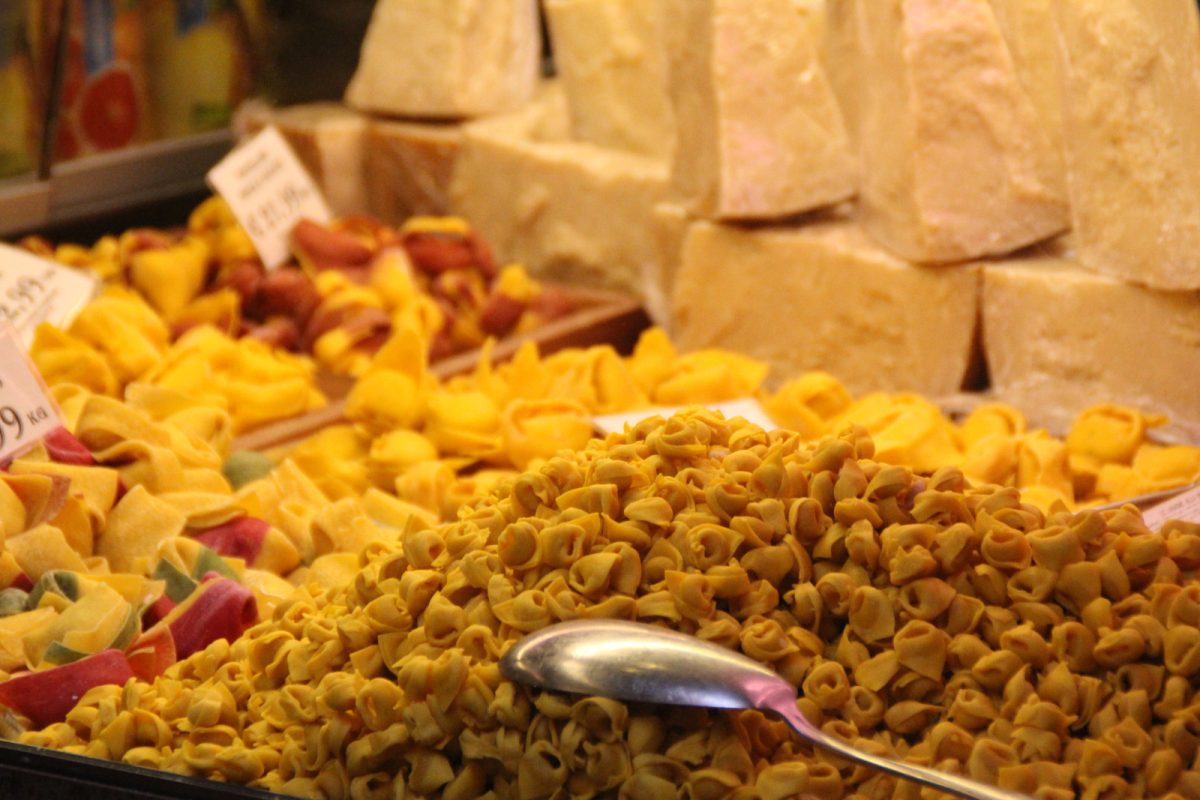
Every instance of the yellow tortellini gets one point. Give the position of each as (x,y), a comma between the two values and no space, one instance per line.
(252,382)
(919,617)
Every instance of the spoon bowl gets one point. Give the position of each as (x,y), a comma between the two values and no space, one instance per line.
(642,663)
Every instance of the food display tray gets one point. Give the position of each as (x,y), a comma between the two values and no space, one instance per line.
(35,773)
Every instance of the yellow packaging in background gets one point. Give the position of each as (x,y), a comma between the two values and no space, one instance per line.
(199,64)
(20,109)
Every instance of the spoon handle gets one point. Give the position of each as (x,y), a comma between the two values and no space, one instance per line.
(944,781)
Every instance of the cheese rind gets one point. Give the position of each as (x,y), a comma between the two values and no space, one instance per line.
(610,59)
(1059,338)
(568,211)
(955,162)
(330,141)
(410,168)
(824,297)
(1132,136)
(760,135)
(447,58)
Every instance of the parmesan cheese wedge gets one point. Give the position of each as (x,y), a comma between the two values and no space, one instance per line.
(569,211)
(410,167)
(822,296)
(760,135)
(1059,338)
(611,62)
(955,161)
(447,58)
(1132,135)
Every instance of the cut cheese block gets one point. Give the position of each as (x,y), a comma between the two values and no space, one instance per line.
(569,211)
(409,167)
(839,56)
(955,161)
(329,139)
(760,135)
(1059,338)
(1132,136)
(824,297)
(610,60)
(448,58)
(671,223)
(1029,32)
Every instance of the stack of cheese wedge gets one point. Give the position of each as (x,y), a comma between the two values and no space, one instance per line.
(890,190)
(1022,177)
(427,67)
(1023,174)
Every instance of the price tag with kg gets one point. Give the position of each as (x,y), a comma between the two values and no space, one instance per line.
(269,191)
(34,290)
(27,412)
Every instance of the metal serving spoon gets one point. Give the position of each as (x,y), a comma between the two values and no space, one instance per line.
(646,664)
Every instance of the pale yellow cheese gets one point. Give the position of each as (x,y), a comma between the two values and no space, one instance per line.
(1059,338)
(822,296)
(1029,31)
(569,211)
(409,167)
(447,58)
(1132,136)
(671,223)
(610,59)
(839,56)
(328,138)
(955,162)
(760,135)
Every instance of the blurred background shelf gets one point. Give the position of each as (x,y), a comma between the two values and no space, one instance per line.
(101,189)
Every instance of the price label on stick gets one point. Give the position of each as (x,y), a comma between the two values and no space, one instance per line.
(269,191)
(34,290)
(27,413)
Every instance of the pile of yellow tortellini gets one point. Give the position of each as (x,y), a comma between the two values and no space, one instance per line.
(195,310)
(118,340)
(1054,654)
(436,444)
(414,450)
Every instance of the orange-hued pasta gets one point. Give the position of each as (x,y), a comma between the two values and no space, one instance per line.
(917,616)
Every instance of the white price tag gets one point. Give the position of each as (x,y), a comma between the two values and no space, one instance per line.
(34,290)
(27,413)
(747,407)
(269,191)
(1184,506)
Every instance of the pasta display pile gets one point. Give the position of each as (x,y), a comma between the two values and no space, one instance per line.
(412,436)
(201,300)
(118,344)
(124,548)
(1056,654)
(126,522)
